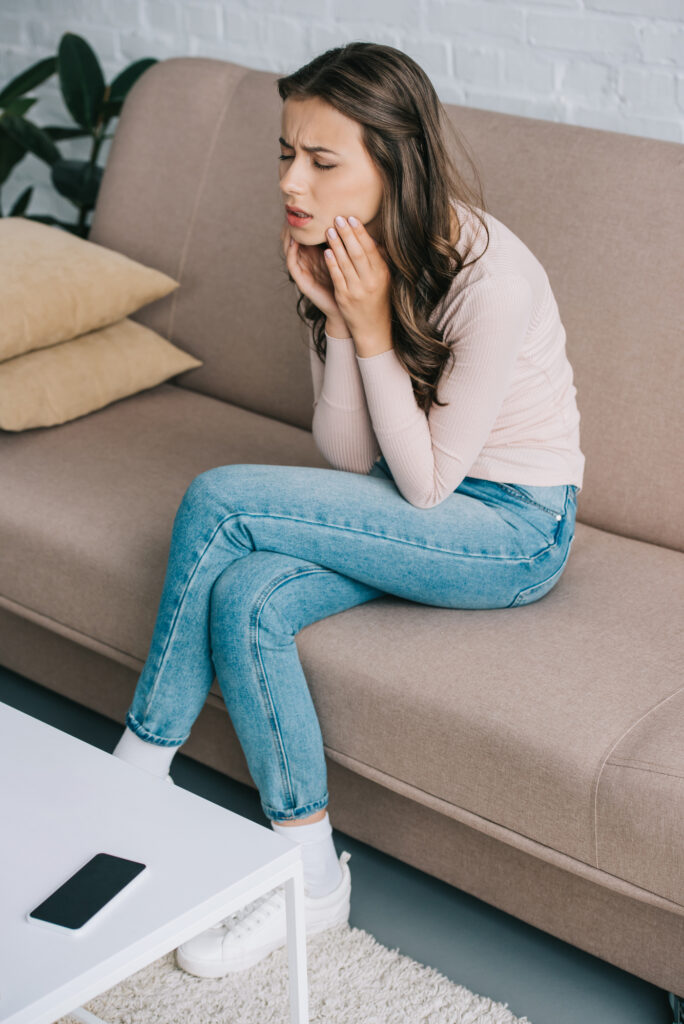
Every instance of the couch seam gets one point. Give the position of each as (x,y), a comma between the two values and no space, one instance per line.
(8,602)
(619,739)
(643,766)
(198,193)
(344,759)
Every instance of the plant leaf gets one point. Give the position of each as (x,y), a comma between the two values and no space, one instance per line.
(81,79)
(77,180)
(58,131)
(31,137)
(46,218)
(20,105)
(28,79)
(21,202)
(126,78)
(11,152)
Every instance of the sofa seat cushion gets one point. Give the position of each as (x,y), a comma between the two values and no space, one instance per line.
(558,721)
(88,506)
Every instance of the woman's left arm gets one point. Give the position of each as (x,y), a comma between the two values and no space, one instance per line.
(430,455)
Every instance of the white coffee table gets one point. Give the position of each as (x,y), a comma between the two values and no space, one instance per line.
(61,802)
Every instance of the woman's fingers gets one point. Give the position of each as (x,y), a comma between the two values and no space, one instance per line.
(301,269)
(351,249)
(343,258)
(308,270)
(293,264)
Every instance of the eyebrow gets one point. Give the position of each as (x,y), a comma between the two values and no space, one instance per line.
(309,149)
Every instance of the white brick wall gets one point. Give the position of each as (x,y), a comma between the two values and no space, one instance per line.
(617,65)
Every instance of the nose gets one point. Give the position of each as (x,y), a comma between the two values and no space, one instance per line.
(286,188)
(289,190)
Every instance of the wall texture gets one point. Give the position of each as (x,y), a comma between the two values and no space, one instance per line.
(616,65)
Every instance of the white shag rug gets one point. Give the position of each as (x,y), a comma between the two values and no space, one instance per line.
(353,979)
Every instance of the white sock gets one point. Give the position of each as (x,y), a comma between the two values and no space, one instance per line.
(322,871)
(151,757)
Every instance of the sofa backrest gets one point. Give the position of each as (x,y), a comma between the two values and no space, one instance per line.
(191,187)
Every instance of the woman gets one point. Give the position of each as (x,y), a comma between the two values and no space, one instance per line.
(446,406)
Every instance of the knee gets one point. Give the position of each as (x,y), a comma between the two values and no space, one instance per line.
(203,485)
(207,492)
(221,485)
(252,592)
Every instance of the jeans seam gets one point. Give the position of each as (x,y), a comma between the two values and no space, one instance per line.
(172,627)
(264,686)
(306,809)
(537,504)
(163,741)
(542,583)
(398,540)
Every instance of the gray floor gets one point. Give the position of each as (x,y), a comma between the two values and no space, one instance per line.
(470,942)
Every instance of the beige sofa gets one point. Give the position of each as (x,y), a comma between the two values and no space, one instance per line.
(539,748)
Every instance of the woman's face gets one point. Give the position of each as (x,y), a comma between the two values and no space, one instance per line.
(350,184)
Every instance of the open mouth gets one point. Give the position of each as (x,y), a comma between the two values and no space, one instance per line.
(298,218)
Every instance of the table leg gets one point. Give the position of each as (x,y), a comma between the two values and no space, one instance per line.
(296,946)
(85,1016)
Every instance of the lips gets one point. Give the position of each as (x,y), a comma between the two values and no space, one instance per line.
(295,209)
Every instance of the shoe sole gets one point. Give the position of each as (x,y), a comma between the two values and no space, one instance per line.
(202,969)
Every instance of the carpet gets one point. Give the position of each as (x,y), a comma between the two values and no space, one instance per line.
(353,979)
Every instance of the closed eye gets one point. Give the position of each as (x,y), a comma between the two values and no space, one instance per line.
(321,167)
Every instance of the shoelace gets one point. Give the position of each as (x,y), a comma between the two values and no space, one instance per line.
(260,910)
(277,898)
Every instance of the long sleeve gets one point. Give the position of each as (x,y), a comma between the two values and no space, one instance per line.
(430,455)
(341,425)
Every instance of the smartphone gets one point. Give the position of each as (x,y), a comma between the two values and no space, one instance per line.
(86,892)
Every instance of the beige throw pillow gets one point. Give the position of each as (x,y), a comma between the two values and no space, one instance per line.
(56,384)
(55,286)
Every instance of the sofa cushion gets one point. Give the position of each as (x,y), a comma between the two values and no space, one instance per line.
(639,795)
(55,285)
(562,724)
(88,506)
(552,719)
(59,383)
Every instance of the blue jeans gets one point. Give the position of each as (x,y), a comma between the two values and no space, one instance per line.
(258,552)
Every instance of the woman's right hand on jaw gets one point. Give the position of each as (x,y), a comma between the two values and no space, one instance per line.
(307,266)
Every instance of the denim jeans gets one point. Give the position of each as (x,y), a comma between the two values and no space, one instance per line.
(258,552)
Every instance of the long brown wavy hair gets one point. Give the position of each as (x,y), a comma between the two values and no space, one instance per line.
(395,103)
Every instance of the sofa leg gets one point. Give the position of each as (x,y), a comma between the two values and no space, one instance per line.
(677,1005)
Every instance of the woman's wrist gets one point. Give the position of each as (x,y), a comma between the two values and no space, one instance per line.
(336,328)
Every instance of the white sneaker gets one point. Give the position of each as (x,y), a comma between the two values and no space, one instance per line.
(246,937)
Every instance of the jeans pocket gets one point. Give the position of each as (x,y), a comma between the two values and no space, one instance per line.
(550,500)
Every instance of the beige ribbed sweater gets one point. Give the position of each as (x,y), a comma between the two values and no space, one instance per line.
(512,415)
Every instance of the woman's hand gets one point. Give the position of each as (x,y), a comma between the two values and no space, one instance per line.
(309,269)
(361,279)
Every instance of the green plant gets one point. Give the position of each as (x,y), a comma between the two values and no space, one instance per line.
(92,104)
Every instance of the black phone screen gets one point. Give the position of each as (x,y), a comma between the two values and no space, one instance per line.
(87,891)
